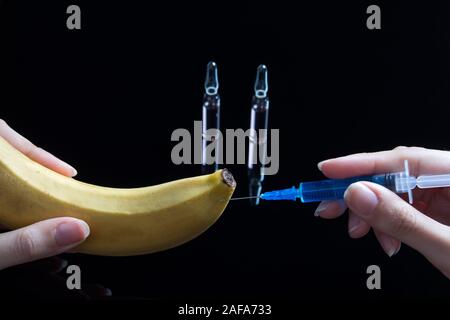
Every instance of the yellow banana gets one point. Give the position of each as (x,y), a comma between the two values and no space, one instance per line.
(122,221)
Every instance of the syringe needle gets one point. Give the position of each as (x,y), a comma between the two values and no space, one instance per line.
(211,80)
(243,198)
(261,83)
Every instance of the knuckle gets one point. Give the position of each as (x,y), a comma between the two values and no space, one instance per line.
(25,246)
(2,122)
(400,148)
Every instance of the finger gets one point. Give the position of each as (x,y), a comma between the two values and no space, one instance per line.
(389,244)
(388,213)
(50,161)
(357,227)
(37,154)
(420,160)
(330,209)
(41,240)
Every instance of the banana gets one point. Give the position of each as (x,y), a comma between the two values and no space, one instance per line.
(122,221)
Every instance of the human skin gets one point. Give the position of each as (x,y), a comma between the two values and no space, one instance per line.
(45,238)
(423,226)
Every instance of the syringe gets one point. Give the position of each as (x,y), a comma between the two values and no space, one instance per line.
(333,189)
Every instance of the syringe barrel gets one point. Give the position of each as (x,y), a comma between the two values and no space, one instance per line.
(334,189)
(434,181)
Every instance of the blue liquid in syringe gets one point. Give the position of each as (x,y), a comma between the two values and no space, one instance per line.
(332,189)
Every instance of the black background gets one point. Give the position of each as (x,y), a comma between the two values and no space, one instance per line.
(106,99)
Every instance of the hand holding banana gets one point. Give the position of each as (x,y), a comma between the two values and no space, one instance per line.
(53,212)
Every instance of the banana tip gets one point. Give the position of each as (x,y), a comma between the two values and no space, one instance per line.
(228,178)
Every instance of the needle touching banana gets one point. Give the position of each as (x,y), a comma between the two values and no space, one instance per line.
(122,221)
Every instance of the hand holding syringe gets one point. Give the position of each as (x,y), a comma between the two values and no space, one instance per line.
(423,226)
(334,189)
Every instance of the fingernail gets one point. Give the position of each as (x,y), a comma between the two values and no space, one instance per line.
(353,223)
(360,199)
(74,172)
(320,164)
(71,169)
(390,252)
(322,207)
(398,249)
(389,246)
(72,232)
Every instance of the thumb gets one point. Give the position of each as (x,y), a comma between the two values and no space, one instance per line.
(41,240)
(387,212)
